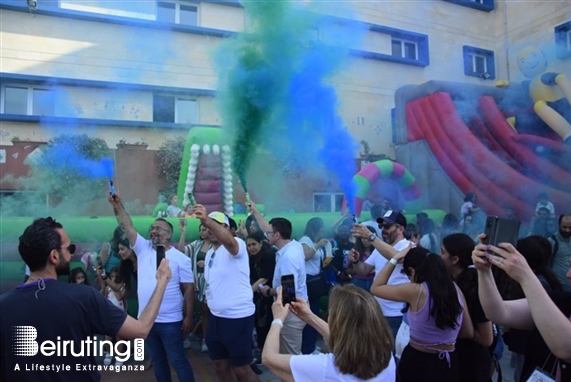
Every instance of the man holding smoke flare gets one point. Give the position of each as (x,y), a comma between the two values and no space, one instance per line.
(165,340)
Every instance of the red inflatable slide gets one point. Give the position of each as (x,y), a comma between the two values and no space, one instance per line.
(488,157)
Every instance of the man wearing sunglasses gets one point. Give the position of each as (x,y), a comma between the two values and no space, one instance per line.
(58,312)
(392,225)
(175,318)
(229,298)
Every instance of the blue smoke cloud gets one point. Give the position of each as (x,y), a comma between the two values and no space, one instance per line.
(64,156)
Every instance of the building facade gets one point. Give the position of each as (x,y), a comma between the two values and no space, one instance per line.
(142,72)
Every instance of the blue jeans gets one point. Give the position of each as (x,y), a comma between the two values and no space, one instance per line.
(165,344)
(394,324)
(364,284)
(309,336)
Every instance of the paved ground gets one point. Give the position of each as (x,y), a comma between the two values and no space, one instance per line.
(201,365)
(204,371)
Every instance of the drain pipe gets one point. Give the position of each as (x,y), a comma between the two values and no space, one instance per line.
(507,40)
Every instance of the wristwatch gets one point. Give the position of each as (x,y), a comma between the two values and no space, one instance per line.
(373,237)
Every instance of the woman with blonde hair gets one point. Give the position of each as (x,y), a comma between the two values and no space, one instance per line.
(356,355)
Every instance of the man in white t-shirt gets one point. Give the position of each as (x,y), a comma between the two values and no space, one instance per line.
(290,260)
(392,224)
(229,298)
(165,340)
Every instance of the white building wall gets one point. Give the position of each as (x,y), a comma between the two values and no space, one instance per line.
(71,48)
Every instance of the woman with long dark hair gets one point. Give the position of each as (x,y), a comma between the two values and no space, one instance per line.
(109,252)
(436,314)
(316,249)
(128,266)
(536,252)
(262,266)
(474,357)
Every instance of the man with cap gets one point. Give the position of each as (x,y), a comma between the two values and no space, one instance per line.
(392,224)
(229,298)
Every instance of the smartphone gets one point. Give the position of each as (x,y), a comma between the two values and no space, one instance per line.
(160,254)
(501,230)
(288,289)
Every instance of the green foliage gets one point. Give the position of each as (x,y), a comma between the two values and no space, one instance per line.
(69,189)
(90,148)
(169,158)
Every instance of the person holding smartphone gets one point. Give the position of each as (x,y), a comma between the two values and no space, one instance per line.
(355,354)
(230,299)
(175,318)
(290,260)
(548,312)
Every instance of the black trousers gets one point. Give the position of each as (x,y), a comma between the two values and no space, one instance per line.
(417,366)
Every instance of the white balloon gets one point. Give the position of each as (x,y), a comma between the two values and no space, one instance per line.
(216,150)
(206,149)
(194,148)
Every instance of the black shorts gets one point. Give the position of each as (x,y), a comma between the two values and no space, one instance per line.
(230,338)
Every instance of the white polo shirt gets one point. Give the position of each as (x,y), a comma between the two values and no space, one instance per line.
(390,308)
(228,290)
(290,260)
(181,268)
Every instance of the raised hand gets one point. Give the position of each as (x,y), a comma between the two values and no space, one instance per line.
(360,230)
(402,253)
(506,257)
(278,309)
(114,199)
(354,256)
(301,309)
(200,212)
(164,271)
(321,243)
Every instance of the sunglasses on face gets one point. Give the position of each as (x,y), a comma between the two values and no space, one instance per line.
(71,248)
(386,226)
(157,228)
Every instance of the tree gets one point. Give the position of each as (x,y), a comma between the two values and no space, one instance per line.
(169,158)
(71,172)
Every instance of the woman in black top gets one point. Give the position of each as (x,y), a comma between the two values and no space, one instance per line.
(262,266)
(475,360)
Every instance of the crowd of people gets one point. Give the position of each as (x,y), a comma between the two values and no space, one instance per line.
(391,299)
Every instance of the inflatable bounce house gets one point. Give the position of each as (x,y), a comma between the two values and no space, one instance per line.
(459,138)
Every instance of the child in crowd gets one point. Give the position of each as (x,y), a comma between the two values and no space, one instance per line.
(113,288)
(543,201)
(78,276)
(469,205)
